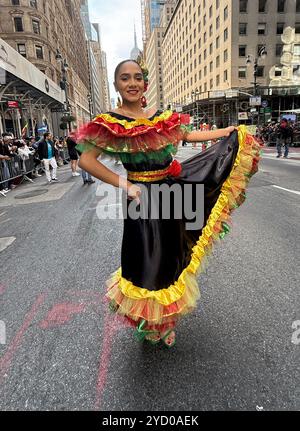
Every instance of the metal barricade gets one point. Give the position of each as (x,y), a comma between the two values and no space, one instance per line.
(15,168)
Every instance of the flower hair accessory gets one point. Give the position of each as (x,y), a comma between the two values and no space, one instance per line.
(145,71)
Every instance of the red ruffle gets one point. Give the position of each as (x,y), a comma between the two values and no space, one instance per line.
(115,137)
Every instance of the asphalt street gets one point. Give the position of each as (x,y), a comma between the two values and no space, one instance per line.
(64,350)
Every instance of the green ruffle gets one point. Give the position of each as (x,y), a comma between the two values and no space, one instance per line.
(156,156)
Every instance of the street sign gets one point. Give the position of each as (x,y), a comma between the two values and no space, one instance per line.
(13,104)
(264,103)
(43,129)
(243,115)
(255,101)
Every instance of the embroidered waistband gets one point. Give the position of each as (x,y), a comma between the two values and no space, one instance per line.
(173,170)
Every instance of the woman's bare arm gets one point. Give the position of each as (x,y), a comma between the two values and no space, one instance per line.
(209,135)
(89,163)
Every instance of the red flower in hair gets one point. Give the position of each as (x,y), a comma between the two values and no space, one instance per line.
(175,169)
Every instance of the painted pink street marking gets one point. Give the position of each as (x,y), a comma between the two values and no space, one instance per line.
(6,360)
(61,314)
(112,323)
(2,289)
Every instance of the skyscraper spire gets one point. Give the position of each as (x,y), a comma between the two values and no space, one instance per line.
(136,52)
(135,38)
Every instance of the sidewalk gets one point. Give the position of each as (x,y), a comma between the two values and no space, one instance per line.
(40,190)
(294,153)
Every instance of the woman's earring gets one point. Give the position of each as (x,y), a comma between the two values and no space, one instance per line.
(119,102)
(143,102)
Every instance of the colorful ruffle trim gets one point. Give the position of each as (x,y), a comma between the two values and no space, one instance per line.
(180,298)
(142,135)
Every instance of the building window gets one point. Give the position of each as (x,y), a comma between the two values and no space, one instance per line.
(211,66)
(15,2)
(218,42)
(242,72)
(218,80)
(199,59)
(205,37)
(210,30)
(218,61)
(280,6)
(243,6)
(297,28)
(205,70)
(298,6)
(210,12)
(36,27)
(18,24)
(225,34)
(280,27)
(278,51)
(211,83)
(22,49)
(225,55)
(243,29)
(261,28)
(278,72)
(297,49)
(262,6)
(211,48)
(205,87)
(39,52)
(217,22)
(260,71)
(242,50)
(217,4)
(205,54)
(225,75)
(204,20)
(33,3)
(225,13)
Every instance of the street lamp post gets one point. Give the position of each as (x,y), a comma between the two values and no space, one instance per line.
(195,96)
(262,53)
(64,83)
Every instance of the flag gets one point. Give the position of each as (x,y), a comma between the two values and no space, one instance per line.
(24,130)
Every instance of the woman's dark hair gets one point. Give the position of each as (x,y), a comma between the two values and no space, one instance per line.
(121,64)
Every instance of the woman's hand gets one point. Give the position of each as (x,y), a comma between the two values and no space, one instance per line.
(134,192)
(229,130)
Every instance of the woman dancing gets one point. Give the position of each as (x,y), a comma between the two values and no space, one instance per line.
(161,258)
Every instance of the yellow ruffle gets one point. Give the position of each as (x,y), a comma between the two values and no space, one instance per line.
(138,122)
(128,296)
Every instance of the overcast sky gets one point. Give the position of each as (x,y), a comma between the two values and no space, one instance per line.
(116,19)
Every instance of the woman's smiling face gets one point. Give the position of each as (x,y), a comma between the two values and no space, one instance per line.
(130,82)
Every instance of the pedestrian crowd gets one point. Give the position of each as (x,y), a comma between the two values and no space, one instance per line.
(283,134)
(47,154)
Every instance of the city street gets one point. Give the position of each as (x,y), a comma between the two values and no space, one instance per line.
(65,351)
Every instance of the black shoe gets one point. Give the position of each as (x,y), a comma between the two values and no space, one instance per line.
(91,182)
(85,182)
(55,180)
(278,156)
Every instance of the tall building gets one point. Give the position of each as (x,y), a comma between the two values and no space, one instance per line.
(153,56)
(151,10)
(206,45)
(105,83)
(36,29)
(96,70)
(154,95)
